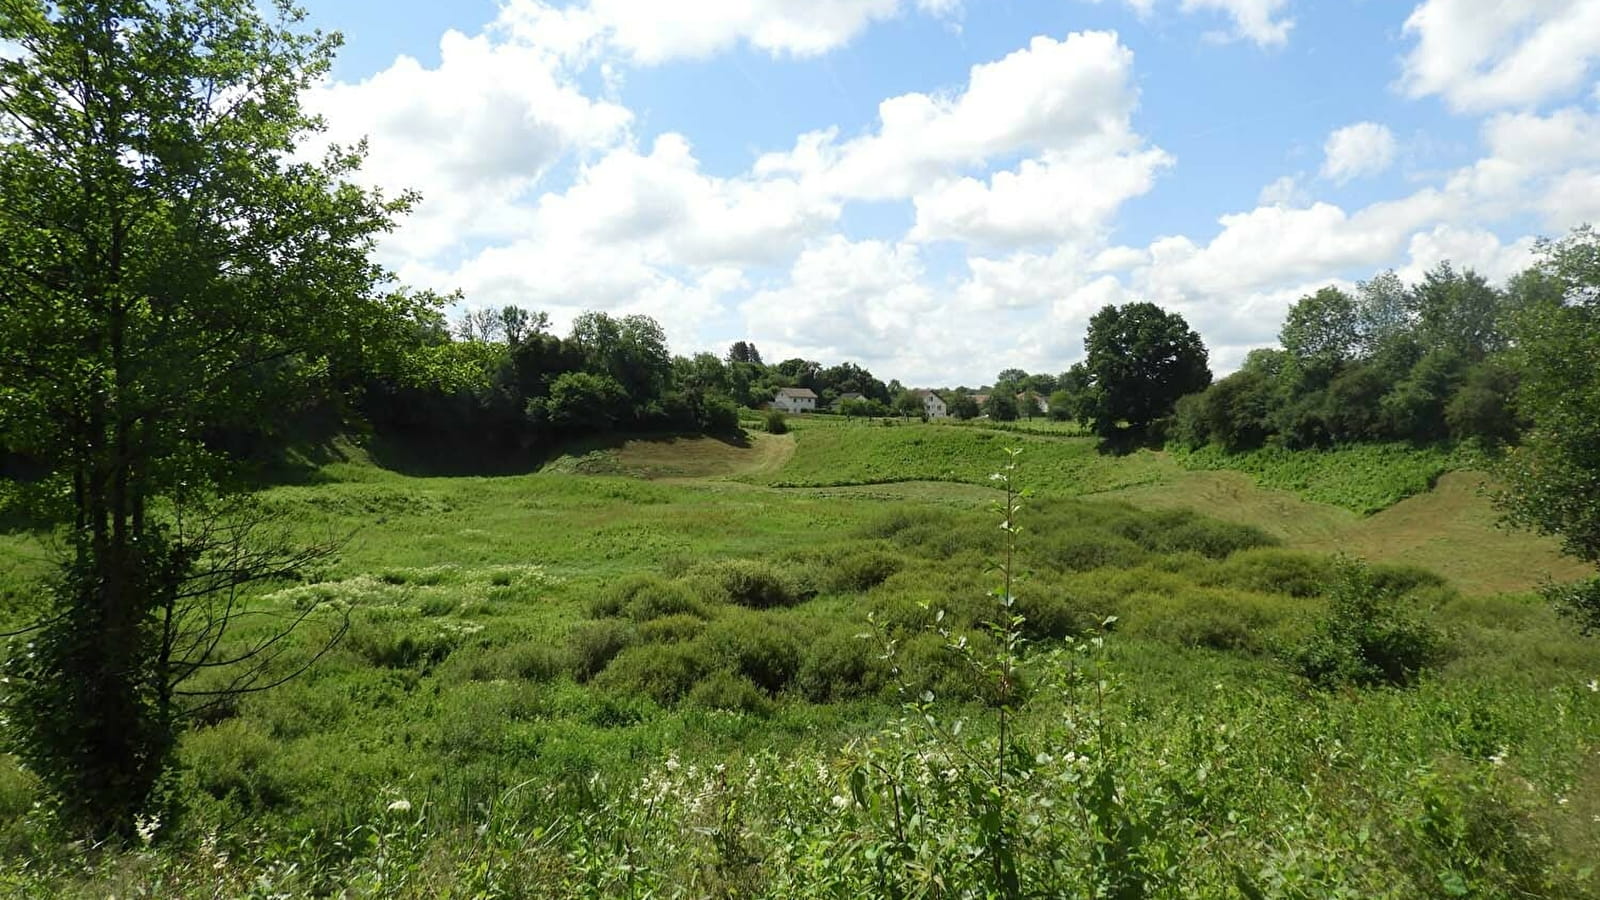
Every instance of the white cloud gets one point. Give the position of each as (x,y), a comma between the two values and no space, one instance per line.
(1073,94)
(1054,198)
(473,135)
(650,32)
(1284,191)
(1466,248)
(1365,148)
(1486,54)
(1260,21)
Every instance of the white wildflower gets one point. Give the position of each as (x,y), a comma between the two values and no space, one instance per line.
(399,806)
(840,801)
(1499,758)
(672,763)
(147,828)
(1594,685)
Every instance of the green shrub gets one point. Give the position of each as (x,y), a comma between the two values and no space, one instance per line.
(643,597)
(750,583)
(840,666)
(401,644)
(858,571)
(231,760)
(735,693)
(671,629)
(1579,602)
(760,648)
(775,422)
(663,672)
(1368,635)
(1272,571)
(595,644)
(1051,613)
(1082,551)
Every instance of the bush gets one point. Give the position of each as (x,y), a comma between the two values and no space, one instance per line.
(1273,571)
(735,693)
(663,672)
(840,666)
(231,760)
(719,416)
(1366,637)
(401,645)
(763,650)
(595,644)
(750,583)
(644,597)
(1579,602)
(673,629)
(775,422)
(857,571)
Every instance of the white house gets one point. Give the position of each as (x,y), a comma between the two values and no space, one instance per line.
(795,400)
(933,405)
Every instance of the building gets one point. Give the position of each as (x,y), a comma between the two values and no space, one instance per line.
(933,406)
(795,400)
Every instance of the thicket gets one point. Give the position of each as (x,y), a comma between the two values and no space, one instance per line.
(1421,363)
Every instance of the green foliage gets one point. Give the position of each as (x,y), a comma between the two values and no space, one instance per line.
(1554,477)
(731,692)
(1578,602)
(643,597)
(595,644)
(750,583)
(775,422)
(1363,478)
(1141,359)
(1368,636)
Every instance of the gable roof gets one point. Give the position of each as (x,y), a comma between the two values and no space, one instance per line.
(797,393)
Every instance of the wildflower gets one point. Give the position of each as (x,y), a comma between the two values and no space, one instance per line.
(147,828)
(1594,685)
(672,763)
(1561,801)
(400,806)
(840,801)
(1499,758)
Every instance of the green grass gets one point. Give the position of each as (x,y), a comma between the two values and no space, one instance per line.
(550,668)
(1363,478)
(833,453)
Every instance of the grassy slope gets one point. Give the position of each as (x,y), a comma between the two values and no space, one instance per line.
(492,572)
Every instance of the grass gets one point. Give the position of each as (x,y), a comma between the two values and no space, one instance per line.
(1363,478)
(651,680)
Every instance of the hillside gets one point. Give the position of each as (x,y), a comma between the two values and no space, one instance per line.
(548,676)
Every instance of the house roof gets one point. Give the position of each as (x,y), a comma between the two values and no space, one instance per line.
(924,394)
(851,395)
(797,393)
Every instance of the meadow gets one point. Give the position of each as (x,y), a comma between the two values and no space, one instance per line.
(767,668)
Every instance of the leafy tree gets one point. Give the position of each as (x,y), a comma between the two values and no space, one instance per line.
(1322,327)
(962,406)
(1554,475)
(1001,407)
(632,351)
(1383,310)
(909,404)
(517,324)
(481,325)
(1141,359)
(744,352)
(583,402)
(1485,405)
(1458,311)
(168,268)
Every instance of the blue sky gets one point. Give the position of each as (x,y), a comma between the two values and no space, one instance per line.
(941,189)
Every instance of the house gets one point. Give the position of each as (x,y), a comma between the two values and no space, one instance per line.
(1025,399)
(933,405)
(795,400)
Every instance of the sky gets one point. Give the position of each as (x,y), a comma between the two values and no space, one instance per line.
(941,189)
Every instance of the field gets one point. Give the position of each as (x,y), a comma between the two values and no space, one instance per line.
(701,668)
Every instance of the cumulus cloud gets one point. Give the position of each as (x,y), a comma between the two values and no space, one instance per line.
(1073,94)
(1259,21)
(650,32)
(1365,148)
(1486,54)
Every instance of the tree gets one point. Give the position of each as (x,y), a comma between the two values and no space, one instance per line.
(1323,327)
(962,406)
(1554,475)
(517,324)
(1141,359)
(167,268)
(744,352)
(908,404)
(1001,407)
(1383,311)
(1458,311)
(482,325)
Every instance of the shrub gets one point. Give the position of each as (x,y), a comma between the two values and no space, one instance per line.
(230,760)
(775,422)
(859,571)
(758,647)
(1579,602)
(401,644)
(663,672)
(595,644)
(750,583)
(1081,551)
(1273,571)
(1366,637)
(672,629)
(735,693)
(840,666)
(644,597)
